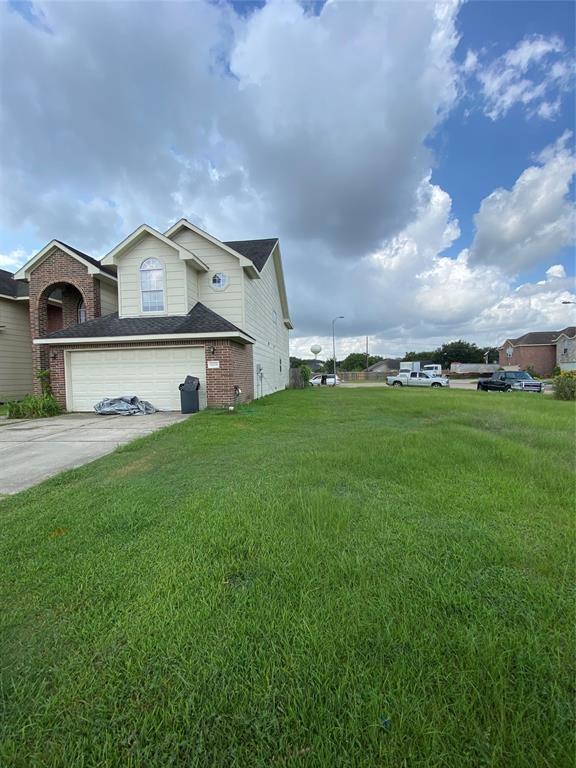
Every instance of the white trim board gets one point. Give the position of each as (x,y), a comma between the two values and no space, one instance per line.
(149,337)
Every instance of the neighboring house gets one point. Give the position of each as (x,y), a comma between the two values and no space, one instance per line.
(566,349)
(15,339)
(541,350)
(157,308)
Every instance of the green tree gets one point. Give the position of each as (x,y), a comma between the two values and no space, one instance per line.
(328,366)
(457,352)
(411,356)
(296,362)
(356,361)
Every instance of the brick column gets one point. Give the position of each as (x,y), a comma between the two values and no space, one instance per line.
(59,270)
(235,369)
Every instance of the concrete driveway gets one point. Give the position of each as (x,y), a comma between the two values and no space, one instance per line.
(32,450)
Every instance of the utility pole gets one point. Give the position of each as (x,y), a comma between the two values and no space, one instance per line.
(340,317)
(367,355)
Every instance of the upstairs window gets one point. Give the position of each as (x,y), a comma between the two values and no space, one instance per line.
(152,285)
(81,312)
(220,281)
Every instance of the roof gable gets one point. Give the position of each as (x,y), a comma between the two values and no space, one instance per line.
(185,224)
(94,266)
(143,231)
(568,333)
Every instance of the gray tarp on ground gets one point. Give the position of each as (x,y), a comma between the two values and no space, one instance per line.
(127,405)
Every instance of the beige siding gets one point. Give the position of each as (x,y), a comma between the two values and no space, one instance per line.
(566,360)
(228,303)
(15,350)
(108,297)
(271,347)
(175,302)
(191,285)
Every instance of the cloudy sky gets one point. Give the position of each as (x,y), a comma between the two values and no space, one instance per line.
(415,159)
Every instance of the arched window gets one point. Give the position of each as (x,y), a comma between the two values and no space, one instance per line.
(81,311)
(152,285)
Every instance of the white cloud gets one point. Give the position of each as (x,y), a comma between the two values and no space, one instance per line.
(311,127)
(519,228)
(556,271)
(423,298)
(258,127)
(14,259)
(534,75)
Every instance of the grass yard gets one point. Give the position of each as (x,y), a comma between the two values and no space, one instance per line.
(325,578)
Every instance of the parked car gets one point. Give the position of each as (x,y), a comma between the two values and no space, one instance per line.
(324,378)
(417,379)
(510,381)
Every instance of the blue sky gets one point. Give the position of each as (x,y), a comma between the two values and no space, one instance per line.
(476,154)
(317,129)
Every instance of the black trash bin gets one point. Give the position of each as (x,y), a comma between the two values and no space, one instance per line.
(189,395)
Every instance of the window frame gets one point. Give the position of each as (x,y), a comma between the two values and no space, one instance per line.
(219,288)
(161,269)
(81,308)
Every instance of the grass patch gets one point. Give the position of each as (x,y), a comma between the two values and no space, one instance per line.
(323,578)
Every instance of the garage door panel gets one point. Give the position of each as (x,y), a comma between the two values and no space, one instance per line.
(151,373)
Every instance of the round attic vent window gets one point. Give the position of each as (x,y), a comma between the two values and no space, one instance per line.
(220,281)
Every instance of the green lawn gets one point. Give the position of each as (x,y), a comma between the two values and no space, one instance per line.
(325,578)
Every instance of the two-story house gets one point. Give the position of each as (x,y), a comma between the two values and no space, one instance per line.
(541,350)
(157,308)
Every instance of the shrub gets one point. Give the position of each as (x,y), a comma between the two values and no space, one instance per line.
(556,371)
(305,374)
(34,407)
(565,386)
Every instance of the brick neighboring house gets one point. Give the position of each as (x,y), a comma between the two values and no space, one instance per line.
(157,308)
(541,350)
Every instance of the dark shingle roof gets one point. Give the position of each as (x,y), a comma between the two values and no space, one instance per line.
(91,259)
(200,319)
(539,337)
(535,337)
(569,331)
(255,250)
(11,287)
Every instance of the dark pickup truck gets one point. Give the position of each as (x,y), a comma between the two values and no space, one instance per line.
(510,381)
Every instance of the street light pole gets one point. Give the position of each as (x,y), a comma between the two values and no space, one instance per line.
(569,302)
(340,317)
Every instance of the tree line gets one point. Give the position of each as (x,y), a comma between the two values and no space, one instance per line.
(452,352)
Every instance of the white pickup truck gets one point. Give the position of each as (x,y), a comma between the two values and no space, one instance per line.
(417,379)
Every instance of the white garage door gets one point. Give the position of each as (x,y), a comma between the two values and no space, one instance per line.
(151,373)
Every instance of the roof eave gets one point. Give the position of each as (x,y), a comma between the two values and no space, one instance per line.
(237,335)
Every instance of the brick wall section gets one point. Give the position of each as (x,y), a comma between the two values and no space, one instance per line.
(243,370)
(235,367)
(540,357)
(59,270)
